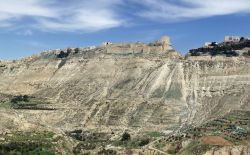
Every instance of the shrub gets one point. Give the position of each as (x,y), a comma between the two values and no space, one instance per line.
(77,50)
(246,53)
(144,142)
(125,136)
(63,54)
(107,152)
(19,98)
(227,49)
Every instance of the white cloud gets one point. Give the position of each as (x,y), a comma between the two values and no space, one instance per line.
(77,15)
(86,17)
(94,15)
(15,9)
(170,10)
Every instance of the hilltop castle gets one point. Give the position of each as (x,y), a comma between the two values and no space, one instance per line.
(160,46)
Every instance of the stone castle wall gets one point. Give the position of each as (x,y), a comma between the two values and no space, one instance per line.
(161,46)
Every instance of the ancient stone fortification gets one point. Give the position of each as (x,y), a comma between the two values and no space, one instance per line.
(159,47)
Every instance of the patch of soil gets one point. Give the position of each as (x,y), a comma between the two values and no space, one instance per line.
(215,140)
(167,148)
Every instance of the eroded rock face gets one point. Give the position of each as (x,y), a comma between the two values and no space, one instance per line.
(94,89)
(229,150)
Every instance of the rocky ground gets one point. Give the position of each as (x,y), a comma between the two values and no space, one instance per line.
(89,98)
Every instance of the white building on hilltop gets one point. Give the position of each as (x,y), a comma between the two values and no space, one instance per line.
(232,39)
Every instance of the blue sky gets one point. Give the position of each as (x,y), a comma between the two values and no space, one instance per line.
(31,26)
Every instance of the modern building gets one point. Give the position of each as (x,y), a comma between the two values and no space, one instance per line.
(207,44)
(232,39)
(106,43)
(247,38)
(210,44)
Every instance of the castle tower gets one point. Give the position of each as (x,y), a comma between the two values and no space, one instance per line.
(166,43)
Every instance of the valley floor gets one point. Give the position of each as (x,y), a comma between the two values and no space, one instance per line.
(228,135)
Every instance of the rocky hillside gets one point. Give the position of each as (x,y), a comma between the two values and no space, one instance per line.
(113,92)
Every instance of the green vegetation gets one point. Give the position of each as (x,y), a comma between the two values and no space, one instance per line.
(5,105)
(62,63)
(27,143)
(83,146)
(107,152)
(126,137)
(77,50)
(89,141)
(29,148)
(133,143)
(28,103)
(246,54)
(25,102)
(19,98)
(232,128)
(195,148)
(127,142)
(154,134)
(213,52)
(63,54)
(160,145)
(19,136)
(227,49)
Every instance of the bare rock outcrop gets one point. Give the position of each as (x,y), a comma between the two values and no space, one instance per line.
(116,87)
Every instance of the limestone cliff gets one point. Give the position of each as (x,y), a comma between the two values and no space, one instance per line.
(115,91)
(93,88)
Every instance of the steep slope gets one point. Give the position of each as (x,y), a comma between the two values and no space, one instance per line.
(113,92)
(146,92)
(216,87)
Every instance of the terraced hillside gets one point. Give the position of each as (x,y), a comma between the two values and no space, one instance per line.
(229,134)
